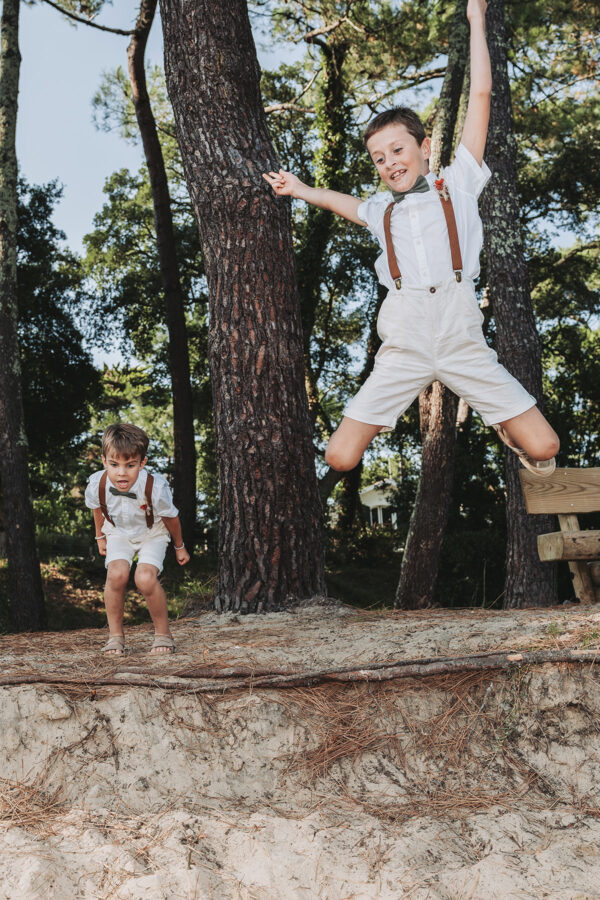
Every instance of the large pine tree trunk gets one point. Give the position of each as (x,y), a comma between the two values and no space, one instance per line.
(25,583)
(528,581)
(179,364)
(270,546)
(437,404)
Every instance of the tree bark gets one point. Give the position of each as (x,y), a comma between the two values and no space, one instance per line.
(528,581)
(184,488)
(437,404)
(270,544)
(25,582)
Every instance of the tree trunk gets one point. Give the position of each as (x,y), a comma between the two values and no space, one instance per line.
(183,414)
(528,581)
(331,477)
(329,165)
(437,404)
(270,542)
(420,563)
(25,583)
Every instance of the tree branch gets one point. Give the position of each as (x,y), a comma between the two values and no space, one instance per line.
(83,21)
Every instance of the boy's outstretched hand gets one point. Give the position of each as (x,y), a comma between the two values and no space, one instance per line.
(476,9)
(285,184)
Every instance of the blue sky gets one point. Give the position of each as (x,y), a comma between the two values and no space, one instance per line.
(61,69)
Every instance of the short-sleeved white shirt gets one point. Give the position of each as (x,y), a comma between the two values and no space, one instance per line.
(128,514)
(418,226)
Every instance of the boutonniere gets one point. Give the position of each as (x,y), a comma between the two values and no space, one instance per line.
(441,188)
(144,506)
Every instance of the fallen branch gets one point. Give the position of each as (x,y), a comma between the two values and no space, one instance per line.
(216,682)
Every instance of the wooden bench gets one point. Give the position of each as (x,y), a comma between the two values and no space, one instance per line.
(566,493)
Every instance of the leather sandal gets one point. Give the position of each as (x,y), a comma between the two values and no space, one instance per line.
(115,645)
(163,640)
(541,467)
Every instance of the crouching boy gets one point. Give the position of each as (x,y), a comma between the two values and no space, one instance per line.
(133,514)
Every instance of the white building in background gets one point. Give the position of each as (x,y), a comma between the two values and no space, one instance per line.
(377,503)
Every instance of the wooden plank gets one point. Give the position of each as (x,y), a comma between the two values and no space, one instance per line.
(595,574)
(565,545)
(580,573)
(566,491)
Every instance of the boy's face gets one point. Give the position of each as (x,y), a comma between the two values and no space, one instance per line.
(123,470)
(398,157)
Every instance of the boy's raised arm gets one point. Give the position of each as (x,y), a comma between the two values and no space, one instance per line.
(478,110)
(286,184)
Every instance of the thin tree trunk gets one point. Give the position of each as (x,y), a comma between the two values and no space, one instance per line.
(528,581)
(270,542)
(329,166)
(437,404)
(179,365)
(25,583)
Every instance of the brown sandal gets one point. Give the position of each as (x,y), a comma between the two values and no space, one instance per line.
(542,467)
(115,645)
(163,640)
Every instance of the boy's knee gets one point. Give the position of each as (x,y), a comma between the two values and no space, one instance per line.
(117,575)
(339,460)
(549,447)
(146,578)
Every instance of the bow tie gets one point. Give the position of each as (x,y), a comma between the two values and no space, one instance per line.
(117,493)
(420,186)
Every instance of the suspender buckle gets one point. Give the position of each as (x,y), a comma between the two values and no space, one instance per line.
(458,275)
(398,283)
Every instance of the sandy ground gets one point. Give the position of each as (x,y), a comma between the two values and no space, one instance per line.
(472,785)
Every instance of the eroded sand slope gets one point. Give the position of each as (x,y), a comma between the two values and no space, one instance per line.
(483,784)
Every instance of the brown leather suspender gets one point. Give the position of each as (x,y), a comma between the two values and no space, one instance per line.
(149,511)
(148,492)
(102,497)
(391,253)
(457,264)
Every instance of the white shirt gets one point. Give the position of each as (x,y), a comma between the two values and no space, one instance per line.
(418,226)
(128,515)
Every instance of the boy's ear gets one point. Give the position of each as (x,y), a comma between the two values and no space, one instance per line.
(426,148)
(103,460)
(143,462)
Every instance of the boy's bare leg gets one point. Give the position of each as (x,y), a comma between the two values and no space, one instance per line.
(348,443)
(532,433)
(117,576)
(146,578)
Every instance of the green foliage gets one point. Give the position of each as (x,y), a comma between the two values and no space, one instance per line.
(59,381)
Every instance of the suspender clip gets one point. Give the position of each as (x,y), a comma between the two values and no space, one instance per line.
(458,274)
(398,283)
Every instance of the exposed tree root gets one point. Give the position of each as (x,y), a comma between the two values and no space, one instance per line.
(241,678)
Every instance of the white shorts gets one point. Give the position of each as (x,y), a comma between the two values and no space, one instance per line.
(431,335)
(150,548)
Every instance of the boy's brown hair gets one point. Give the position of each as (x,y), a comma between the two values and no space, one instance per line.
(401,115)
(126,440)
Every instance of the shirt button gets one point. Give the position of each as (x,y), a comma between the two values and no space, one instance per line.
(432,290)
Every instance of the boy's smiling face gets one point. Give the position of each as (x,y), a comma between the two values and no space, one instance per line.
(398,157)
(122,470)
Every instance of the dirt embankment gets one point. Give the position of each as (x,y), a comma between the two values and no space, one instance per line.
(470,784)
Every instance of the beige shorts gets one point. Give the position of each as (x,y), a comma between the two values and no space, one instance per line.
(435,335)
(150,548)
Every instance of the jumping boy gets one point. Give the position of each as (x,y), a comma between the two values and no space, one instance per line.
(431,236)
(133,514)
